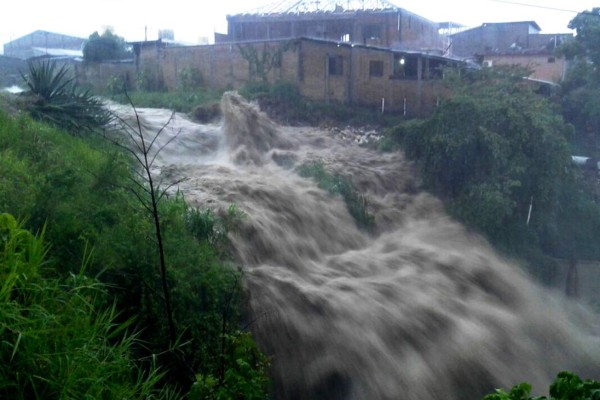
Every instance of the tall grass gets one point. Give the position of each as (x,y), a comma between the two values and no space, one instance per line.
(59,338)
(78,188)
(179,100)
(335,183)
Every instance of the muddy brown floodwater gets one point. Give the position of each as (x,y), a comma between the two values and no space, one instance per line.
(420,309)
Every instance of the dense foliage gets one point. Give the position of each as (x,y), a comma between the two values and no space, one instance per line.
(55,97)
(59,336)
(581,87)
(79,189)
(499,155)
(105,47)
(566,386)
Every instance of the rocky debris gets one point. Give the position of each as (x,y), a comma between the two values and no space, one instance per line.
(362,135)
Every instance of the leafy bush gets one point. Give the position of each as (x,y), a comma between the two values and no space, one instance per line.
(493,150)
(567,386)
(54,97)
(150,79)
(356,203)
(78,188)
(190,78)
(117,84)
(243,374)
(59,338)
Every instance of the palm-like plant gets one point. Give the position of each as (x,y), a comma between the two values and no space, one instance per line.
(55,97)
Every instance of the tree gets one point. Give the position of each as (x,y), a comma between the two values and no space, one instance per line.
(493,151)
(581,87)
(107,46)
(144,151)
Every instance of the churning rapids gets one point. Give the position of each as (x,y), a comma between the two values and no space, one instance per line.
(421,309)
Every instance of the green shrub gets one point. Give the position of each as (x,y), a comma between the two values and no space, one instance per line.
(79,189)
(59,338)
(150,79)
(493,150)
(356,203)
(56,98)
(243,374)
(567,386)
(190,78)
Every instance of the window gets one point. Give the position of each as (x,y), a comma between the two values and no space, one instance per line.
(345,38)
(405,67)
(336,65)
(375,68)
(372,32)
(399,62)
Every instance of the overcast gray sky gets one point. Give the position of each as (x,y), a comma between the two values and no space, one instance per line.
(192,20)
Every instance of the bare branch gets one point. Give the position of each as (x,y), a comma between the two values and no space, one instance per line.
(139,185)
(163,146)
(126,148)
(141,200)
(164,191)
(160,131)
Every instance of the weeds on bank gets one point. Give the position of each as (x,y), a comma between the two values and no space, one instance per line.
(356,202)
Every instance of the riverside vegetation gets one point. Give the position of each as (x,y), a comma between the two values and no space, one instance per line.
(82,310)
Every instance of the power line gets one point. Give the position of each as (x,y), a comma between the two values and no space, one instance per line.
(536,6)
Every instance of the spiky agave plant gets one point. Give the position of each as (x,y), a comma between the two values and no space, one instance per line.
(55,97)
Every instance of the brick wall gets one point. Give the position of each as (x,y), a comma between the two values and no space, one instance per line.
(488,38)
(545,67)
(315,80)
(323,71)
(101,75)
(222,66)
(395,29)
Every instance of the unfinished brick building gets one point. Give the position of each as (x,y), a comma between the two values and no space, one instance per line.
(364,52)
(513,43)
(366,22)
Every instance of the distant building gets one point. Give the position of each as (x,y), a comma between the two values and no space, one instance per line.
(366,22)
(512,43)
(10,69)
(43,43)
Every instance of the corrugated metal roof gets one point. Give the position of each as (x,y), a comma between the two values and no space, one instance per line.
(310,6)
(40,51)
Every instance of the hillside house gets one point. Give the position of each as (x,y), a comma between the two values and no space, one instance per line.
(513,43)
(404,81)
(43,43)
(365,22)
(363,52)
(10,69)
